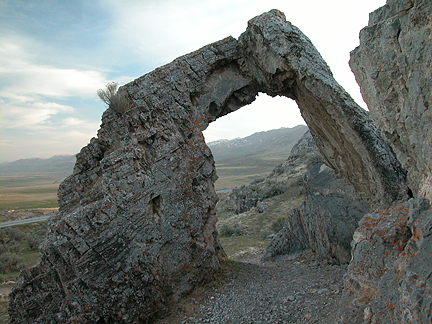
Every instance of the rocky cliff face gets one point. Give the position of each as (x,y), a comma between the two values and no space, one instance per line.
(136,226)
(290,65)
(393,68)
(388,279)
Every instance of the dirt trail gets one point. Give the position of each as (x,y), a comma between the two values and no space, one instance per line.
(296,291)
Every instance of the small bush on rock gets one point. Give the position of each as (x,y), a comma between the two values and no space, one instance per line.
(114,99)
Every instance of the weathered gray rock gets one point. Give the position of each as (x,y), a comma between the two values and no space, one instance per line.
(136,226)
(344,133)
(393,68)
(388,279)
(326,220)
(306,145)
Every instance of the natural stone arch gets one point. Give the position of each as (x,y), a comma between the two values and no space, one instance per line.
(136,226)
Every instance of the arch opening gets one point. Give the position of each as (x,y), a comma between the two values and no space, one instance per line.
(256,191)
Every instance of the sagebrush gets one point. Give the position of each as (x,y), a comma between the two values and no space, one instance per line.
(119,101)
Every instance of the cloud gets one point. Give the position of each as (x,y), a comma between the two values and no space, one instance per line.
(31,114)
(158,31)
(54,56)
(40,104)
(23,76)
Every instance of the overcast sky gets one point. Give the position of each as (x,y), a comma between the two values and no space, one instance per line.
(54,55)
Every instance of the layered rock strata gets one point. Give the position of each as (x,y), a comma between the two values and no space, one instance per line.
(393,68)
(136,225)
(326,220)
(389,277)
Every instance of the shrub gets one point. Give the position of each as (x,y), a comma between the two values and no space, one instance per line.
(13,247)
(3,248)
(114,99)
(15,234)
(33,241)
(230,230)
(10,262)
(272,188)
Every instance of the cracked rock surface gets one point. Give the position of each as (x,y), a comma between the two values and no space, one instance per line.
(392,65)
(136,225)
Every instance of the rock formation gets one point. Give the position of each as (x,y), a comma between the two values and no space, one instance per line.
(388,279)
(393,68)
(136,225)
(328,217)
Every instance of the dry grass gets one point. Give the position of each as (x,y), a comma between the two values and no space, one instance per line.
(30,190)
(29,258)
(257,228)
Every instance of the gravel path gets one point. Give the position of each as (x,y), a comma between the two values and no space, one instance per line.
(273,292)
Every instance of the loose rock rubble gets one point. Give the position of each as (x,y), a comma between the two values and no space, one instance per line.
(286,291)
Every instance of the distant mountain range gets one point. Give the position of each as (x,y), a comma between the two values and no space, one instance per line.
(277,143)
(274,145)
(57,164)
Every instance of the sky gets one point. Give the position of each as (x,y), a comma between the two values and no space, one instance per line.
(56,54)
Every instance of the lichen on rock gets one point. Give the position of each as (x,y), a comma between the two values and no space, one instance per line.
(388,277)
(136,225)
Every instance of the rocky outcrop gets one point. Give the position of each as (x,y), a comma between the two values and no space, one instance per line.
(306,145)
(393,68)
(326,220)
(136,225)
(284,177)
(388,280)
(344,133)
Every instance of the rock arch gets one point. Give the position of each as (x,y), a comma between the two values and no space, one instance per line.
(136,226)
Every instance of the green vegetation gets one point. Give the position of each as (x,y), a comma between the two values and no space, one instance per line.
(18,250)
(250,215)
(230,229)
(249,233)
(116,100)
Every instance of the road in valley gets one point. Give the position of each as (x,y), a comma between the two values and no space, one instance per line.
(24,221)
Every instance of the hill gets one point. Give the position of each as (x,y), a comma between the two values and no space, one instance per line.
(273,142)
(33,183)
(243,160)
(57,163)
